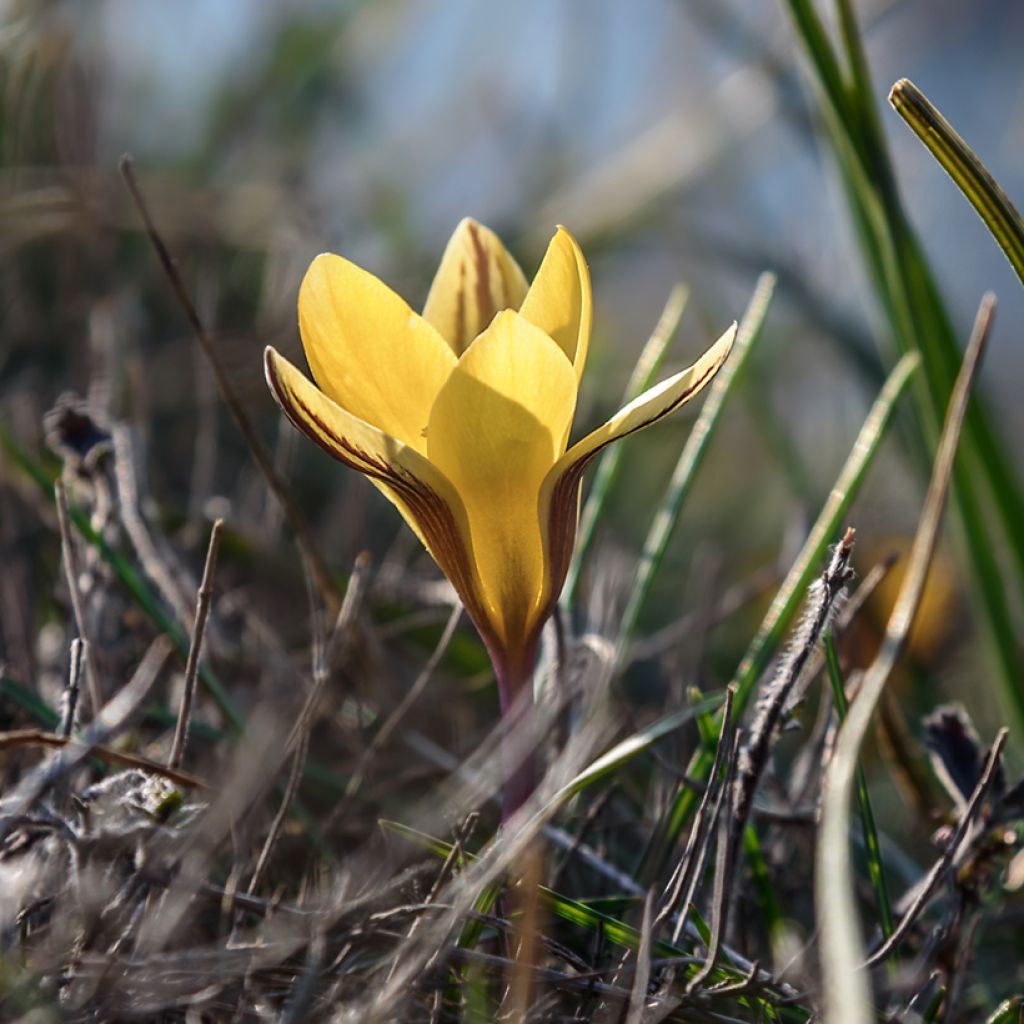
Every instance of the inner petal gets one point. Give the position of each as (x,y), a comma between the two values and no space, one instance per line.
(495,431)
(477,277)
(559,300)
(369,352)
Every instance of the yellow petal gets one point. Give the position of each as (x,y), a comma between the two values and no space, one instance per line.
(495,431)
(559,302)
(560,490)
(476,279)
(426,499)
(369,351)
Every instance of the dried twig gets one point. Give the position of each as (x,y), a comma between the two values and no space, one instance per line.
(41,738)
(455,854)
(804,776)
(110,719)
(593,813)
(73,689)
(756,751)
(92,677)
(732,601)
(321,574)
(687,873)
(158,560)
(203,599)
(844,615)
(949,856)
(638,993)
(384,733)
(299,738)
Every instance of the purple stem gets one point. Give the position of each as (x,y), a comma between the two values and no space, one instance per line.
(515,694)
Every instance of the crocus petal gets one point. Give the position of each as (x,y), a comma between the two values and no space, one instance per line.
(559,302)
(559,501)
(476,279)
(495,431)
(369,351)
(420,491)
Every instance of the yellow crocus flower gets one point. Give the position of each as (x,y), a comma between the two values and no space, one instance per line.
(461,417)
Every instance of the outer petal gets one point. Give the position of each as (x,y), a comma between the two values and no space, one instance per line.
(559,302)
(495,432)
(424,496)
(559,500)
(369,351)
(476,279)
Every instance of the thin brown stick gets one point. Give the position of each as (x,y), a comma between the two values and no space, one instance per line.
(154,553)
(203,598)
(731,602)
(299,739)
(642,977)
(691,864)
(945,862)
(412,695)
(594,811)
(804,773)
(40,738)
(756,752)
(724,814)
(104,725)
(92,676)
(73,689)
(845,615)
(279,488)
(461,837)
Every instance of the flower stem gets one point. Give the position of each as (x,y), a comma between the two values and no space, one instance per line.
(514,672)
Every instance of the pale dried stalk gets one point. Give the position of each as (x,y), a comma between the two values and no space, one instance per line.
(67,548)
(847,993)
(203,599)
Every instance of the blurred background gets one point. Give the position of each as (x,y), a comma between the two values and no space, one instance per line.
(677,139)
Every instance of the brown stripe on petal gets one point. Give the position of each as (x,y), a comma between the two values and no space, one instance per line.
(486,303)
(461,341)
(564,506)
(432,514)
(508,286)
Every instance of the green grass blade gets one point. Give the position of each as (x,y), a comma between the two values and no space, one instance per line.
(651,358)
(473,929)
(771,909)
(29,702)
(907,291)
(931,1013)
(614,931)
(1007,1012)
(628,748)
(969,174)
(693,455)
(867,815)
(791,594)
(789,598)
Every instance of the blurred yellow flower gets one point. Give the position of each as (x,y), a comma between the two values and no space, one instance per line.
(461,416)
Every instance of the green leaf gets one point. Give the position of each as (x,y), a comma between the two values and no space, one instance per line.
(969,174)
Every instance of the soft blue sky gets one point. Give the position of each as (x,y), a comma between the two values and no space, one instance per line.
(470,107)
